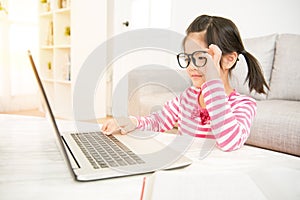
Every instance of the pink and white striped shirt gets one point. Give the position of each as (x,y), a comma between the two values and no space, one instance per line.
(227,119)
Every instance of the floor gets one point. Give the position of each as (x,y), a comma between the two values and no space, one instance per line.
(38,113)
(35,112)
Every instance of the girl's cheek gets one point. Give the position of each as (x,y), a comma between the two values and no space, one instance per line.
(202,70)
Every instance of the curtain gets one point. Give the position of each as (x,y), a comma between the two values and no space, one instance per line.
(18,33)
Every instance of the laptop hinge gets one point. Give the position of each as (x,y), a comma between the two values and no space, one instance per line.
(70,153)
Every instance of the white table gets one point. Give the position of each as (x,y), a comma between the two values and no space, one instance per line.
(31,166)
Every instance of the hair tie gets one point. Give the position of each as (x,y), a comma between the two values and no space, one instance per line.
(243,52)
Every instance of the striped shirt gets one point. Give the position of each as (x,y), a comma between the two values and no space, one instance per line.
(227,119)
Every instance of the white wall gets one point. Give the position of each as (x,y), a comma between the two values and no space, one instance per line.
(253,18)
(89,22)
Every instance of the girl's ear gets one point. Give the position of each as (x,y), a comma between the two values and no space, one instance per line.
(228,60)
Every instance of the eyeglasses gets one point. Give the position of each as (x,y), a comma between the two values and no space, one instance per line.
(198,58)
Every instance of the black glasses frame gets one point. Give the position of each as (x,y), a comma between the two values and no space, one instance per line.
(191,57)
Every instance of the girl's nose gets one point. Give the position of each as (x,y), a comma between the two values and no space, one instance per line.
(191,66)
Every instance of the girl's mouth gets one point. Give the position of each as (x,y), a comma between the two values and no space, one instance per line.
(196,76)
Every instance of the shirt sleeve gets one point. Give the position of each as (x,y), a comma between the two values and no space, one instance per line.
(230,123)
(162,120)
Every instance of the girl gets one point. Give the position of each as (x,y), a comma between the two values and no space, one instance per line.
(210,108)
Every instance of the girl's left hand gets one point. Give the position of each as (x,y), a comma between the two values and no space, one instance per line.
(121,125)
(213,67)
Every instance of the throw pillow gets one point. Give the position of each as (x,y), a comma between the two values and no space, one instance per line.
(286,73)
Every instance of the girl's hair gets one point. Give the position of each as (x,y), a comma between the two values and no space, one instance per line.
(224,33)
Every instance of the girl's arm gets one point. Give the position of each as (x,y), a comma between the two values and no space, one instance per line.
(162,120)
(230,123)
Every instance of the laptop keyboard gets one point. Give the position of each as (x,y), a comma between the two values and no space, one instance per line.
(104,151)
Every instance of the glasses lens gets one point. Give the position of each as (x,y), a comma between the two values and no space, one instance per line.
(183,60)
(199,58)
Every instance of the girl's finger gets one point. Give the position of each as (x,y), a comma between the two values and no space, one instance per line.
(104,127)
(215,50)
(123,131)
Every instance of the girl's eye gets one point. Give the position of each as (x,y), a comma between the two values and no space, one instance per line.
(201,58)
(200,61)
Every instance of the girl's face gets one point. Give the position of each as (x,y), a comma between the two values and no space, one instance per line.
(195,42)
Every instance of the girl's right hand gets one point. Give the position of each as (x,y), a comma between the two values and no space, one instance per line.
(121,125)
(212,70)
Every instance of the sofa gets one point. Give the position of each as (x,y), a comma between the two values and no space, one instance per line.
(277,123)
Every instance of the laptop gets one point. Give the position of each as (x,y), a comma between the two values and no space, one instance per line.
(92,155)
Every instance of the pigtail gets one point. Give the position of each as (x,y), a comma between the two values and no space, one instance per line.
(255,77)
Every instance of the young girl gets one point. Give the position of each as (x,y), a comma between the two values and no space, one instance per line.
(210,108)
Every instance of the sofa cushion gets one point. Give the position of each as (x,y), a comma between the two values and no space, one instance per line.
(263,49)
(286,73)
(277,126)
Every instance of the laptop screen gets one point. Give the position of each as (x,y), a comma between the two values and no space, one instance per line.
(50,112)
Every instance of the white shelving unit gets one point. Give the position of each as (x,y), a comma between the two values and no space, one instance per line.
(65,55)
(55,54)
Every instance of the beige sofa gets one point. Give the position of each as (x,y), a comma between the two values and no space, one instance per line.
(277,123)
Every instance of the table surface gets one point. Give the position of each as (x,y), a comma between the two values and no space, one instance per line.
(32,167)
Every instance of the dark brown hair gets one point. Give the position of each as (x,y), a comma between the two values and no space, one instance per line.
(224,33)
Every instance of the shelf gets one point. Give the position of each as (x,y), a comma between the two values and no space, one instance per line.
(51,47)
(64,82)
(62,46)
(46,14)
(55,50)
(49,80)
(63,11)
(47,47)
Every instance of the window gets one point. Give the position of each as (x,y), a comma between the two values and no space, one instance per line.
(18,33)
